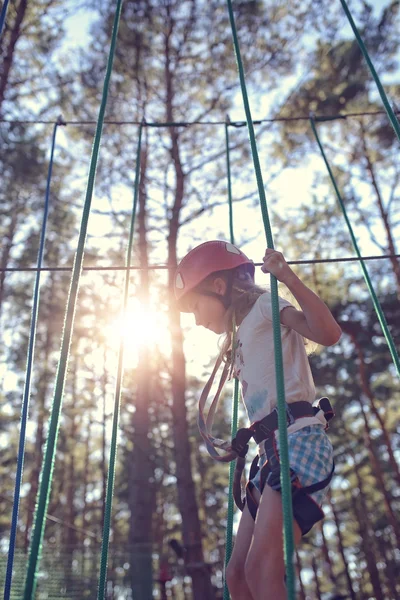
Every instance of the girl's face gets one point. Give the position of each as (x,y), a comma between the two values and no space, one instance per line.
(209,311)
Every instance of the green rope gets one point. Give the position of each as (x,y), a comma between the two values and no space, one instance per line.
(281,405)
(117,399)
(51,443)
(382,93)
(228,172)
(235,397)
(368,281)
(231,508)
(232,464)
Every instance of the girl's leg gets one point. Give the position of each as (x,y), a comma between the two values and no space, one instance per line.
(235,574)
(264,568)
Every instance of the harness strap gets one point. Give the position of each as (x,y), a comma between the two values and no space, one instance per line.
(205,423)
(305,510)
(261,430)
(266,427)
(265,430)
(237,482)
(315,487)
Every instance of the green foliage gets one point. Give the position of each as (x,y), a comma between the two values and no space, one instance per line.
(277,48)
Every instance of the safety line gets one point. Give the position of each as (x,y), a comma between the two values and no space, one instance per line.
(287,510)
(315,261)
(320,119)
(118,387)
(374,298)
(49,457)
(55,519)
(3,15)
(235,395)
(394,122)
(27,387)
(229,181)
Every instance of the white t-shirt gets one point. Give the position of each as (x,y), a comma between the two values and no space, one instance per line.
(255,364)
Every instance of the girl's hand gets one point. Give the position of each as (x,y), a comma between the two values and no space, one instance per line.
(275,264)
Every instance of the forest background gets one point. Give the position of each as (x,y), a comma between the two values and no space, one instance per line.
(175,63)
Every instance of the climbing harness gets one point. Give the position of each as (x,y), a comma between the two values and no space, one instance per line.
(305,510)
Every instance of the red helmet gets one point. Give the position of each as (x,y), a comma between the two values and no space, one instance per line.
(205,259)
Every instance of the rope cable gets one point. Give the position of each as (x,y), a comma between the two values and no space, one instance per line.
(236,124)
(389,111)
(117,397)
(27,386)
(368,281)
(281,407)
(166,267)
(229,182)
(3,15)
(235,396)
(49,457)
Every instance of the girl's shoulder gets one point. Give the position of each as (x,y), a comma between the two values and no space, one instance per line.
(265,304)
(258,312)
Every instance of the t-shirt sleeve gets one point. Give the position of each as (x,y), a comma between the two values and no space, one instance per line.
(266,305)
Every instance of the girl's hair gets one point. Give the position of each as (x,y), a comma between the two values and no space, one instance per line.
(244,294)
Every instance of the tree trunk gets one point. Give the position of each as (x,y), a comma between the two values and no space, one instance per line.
(7,244)
(302,594)
(104,383)
(194,560)
(191,530)
(15,32)
(390,574)
(366,536)
(40,402)
(367,546)
(342,549)
(86,548)
(350,329)
(377,471)
(70,533)
(382,211)
(327,558)
(141,491)
(316,580)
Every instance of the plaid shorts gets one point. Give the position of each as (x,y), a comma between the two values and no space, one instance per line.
(310,456)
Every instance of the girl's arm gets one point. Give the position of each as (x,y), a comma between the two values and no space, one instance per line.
(314,321)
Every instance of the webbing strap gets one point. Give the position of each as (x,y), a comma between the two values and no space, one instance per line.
(205,423)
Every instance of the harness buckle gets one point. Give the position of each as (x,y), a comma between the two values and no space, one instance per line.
(289,415)
(240,442)
(267,431)
(325,406)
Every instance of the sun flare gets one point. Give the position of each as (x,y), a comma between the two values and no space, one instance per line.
(139,327)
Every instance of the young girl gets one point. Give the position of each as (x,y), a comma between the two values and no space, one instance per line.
(215,282)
